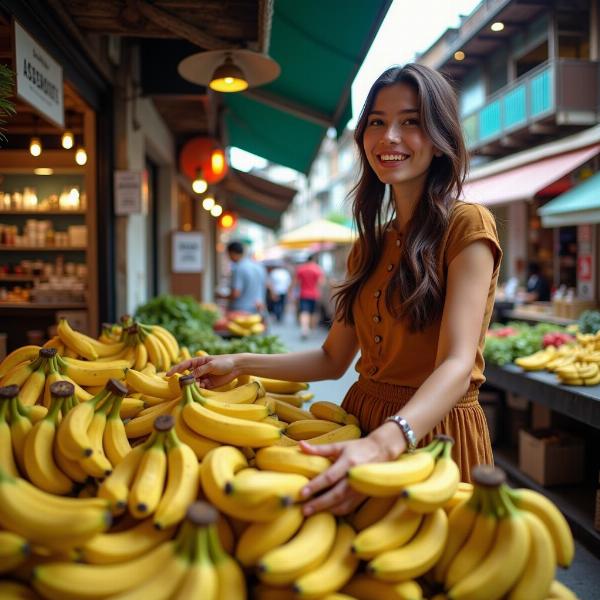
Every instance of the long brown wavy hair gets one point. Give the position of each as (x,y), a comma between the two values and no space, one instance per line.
(415,292)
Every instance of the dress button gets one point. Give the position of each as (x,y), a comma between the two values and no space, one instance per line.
(398,243)
(377,293)
(377,339)
(372,370)
(377,318)
(390,267)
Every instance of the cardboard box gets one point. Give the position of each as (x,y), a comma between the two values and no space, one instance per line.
(551,457)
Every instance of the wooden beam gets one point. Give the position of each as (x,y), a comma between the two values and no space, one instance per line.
(265,19)
(183,29)
(290,107)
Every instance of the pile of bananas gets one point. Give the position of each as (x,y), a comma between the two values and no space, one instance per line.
(245,325)
(573,364)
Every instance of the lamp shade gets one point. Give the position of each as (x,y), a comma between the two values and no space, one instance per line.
(228,77)
(206,154)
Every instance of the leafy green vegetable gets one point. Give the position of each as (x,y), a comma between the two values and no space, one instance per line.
(589,321)
(192,325)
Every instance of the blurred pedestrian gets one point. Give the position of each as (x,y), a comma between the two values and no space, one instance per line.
(309,277)
(538,287)
(248,282)
(417,298)
(279,281)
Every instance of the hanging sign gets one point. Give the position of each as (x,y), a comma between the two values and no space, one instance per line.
(39,77)
(131,192)
(187,252)
(586,263)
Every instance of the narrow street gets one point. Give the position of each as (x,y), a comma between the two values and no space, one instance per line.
(583,577)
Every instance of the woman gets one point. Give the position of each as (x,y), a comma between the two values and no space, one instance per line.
(418,296)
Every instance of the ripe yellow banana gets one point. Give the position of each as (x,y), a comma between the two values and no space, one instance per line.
(75,341)
(131,407)
(252,412)
(417,556)
(168,341)
(303,553)
(332,412)
(305,429)
(141,357)
(147,488)
(335,572)
(14,550)
(7,457)
(252,487)
(242,394)
(390,478)
(289,413)
(371,511)
(297,399)
(229,430)
(156,353)
(92,373)
(394,530)
(280,386)
(433,492)
(230,578)
(259,538)
(97,463)
(548,513)
(368,588)
(33,388)
(143,424)
(341,434)
(183,481)
(24,354)
(291,460)
(496,574)
(535,580)
(536,361)
(152,385)
(20,373)
(559,591)
(198,443)
(114,438)
(113,548)
(20,426)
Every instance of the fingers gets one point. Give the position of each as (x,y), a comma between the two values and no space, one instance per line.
(339,500)
(351,502)
(213,381)
(188,365)
(326,479)
(321,449)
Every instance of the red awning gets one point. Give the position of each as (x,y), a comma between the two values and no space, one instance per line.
(524,182)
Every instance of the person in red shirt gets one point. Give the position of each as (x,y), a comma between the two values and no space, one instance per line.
(309,277)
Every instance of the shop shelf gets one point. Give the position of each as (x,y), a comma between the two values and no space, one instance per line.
(44,248)
(22,278)
(42,213)
(42,306)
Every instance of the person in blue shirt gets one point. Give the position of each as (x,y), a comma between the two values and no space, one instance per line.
(248,281)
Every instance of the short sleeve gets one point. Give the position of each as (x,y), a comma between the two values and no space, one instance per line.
(236,278)
(353,261)
(470,223)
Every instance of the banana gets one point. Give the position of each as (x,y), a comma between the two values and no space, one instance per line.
(390,478)
(225,534)
(501,568)
(76,581)
(417,556)
(280,386)
(7,456)
(14,549)
(141,357)
(243,394)
(252,412)
(20,427)
(38,454)
(303,553)
(33,388)
(260,538)
(275,422)
(97,463)
(335,572)
(198,443)
(183,482)
(143,424)
(559,591)
(147,487)
(131,407)
(341,434)
(45,519)
(201,579)
(297,399)
(75,341)
(291,460)
(231,583)
(548,513)
(460,523)
(155,353)
(305,429)
(20,373)
(24,354)
(72,435)
(152,385)
(252,487)
(438,488)
(536,579)
(114,439)
(115,488)
(81,394)
(71,468)
(394,530)
(229,430)
(478,542)
(371,511)
(168,341)
(536,361)
(332,412)
(53,376)
(365,587)
(92,373)
(289,413)
(11,590)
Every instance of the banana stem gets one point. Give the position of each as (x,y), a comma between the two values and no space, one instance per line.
(3,410)
(115,411)
(507,502)
(172,441)
(106,403)
(55,406)
(217,554)
(15,412)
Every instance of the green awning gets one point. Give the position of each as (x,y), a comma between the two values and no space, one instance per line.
(579,205)
(320,47)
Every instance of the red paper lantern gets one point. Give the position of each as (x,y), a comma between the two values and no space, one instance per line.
(206,154)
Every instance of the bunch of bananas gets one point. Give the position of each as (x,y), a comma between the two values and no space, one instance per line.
(579,373)
(245,325)
(191,565)
(159,477)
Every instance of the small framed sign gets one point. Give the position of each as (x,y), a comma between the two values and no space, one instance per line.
(131,192)
(188,249)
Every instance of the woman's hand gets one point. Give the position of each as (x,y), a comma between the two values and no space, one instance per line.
(209,371)
(340,498)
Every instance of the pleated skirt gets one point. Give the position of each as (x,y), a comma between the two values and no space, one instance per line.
(372,402)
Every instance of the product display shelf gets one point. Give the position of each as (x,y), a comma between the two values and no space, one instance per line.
(41,213)
(577,502)
(43,248)
(531,317)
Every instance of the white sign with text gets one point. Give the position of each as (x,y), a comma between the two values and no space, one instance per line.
(188,252)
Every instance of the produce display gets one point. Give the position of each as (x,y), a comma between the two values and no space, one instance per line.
(103,459)
(576,363)
(193,325)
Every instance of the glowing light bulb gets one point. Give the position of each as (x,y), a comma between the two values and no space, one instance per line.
(208,203)
(81,156)
(67,140)
(35,146)
(216,210)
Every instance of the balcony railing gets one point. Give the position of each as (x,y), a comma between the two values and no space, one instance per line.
(563,92)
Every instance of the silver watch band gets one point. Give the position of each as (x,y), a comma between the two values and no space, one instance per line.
(409,434)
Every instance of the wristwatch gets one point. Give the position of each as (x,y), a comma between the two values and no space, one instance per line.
(409,434)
